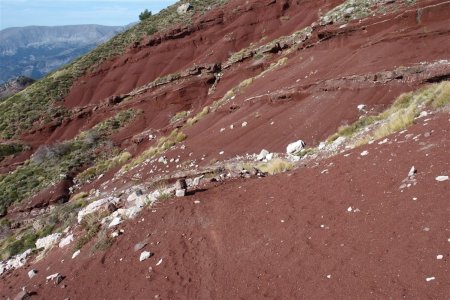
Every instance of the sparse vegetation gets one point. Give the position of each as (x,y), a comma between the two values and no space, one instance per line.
(276,166)
(103,166)
(179,116)
(163,144)
(399,115)
(10,149)
(91,227)
(48,162)
(198,116)
(103,241)
(56,220)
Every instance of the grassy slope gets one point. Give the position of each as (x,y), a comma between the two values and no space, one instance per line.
(33,106)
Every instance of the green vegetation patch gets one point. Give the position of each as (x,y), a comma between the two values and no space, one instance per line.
(48,163)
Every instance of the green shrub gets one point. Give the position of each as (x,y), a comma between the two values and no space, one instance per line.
(145,15)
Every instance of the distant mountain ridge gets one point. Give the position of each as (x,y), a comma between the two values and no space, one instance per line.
(34,51)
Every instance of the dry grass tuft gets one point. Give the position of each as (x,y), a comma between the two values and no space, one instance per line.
(276,166)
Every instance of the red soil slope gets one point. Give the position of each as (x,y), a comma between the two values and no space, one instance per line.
(281,236)
(263,238)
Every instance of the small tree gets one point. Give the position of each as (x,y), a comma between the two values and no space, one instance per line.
(145,15)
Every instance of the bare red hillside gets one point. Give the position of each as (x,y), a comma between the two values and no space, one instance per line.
(247,76)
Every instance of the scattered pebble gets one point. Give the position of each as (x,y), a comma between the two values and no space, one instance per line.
(364,153)
(197,202)
(412,171)
(32,273)
(221,152)
(144,255)
(282,221)
(430,278)
(383,141)
(440,256)
(75,254)
(244,124)
(441,178)
(328,276)
(414,198)
(350,209)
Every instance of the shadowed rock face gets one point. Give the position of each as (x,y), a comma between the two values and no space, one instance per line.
(34,51)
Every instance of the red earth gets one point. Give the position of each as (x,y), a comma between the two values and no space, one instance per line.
(284,236)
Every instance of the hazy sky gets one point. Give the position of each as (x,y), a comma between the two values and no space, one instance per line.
(14,13)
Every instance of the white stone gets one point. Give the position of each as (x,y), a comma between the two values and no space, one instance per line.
(322,145)
(422,114)
(364,153)
(96,205)
(383,141)
(116,221)
(75,254)
(244,124)
(221,152)
(430,278)
(328,276)
(144,255)
(133,196)
(350,209)
(52,277)
(269,156)
(32,273)
(262,155)
(441,178)
(412,171)
(440,256)
(66,241)
(295,147)
(362,107)
(159,262)
(180,193)
(183,8)
(48,241)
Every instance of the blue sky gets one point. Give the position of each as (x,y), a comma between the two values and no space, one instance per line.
(17,13)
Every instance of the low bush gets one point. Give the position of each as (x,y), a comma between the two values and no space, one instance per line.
(276,166)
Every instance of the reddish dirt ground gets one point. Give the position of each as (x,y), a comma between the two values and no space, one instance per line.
(263,238)
(281,236)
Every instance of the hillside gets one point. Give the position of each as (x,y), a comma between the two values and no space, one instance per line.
(13,86)
(35,51)
(237,149)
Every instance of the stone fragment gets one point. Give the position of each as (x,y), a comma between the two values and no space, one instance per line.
(32,273)
(295,147)
(48,241)
(75,254)
(145,255)
(184,8)
(66,241)
(441,178)
(262,155)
